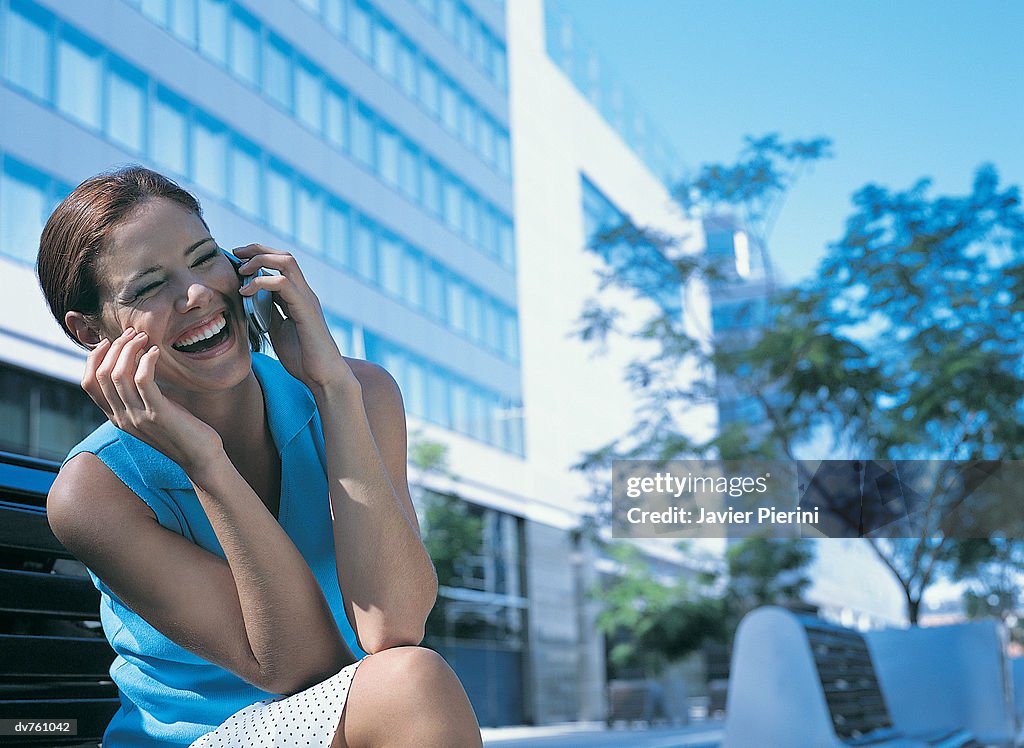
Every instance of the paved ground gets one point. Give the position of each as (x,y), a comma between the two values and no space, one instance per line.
(584,735)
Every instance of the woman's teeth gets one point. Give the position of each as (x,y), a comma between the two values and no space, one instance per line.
(205,332)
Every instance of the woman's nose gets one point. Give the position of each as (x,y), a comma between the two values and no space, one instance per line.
(196,296)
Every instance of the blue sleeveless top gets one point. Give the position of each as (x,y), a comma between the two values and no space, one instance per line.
(169,696)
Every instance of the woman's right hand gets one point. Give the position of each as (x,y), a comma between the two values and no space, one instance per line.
(120,377)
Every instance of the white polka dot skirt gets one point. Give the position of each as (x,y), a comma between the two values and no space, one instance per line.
(304,719)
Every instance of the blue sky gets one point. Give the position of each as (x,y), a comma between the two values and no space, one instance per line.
(905,90)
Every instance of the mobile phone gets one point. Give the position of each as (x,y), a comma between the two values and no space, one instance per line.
(259,308)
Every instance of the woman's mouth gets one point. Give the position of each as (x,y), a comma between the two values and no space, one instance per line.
(211,335)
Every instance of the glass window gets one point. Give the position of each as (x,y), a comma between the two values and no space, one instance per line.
(488,231)
(449,109)
(155,9)
(23,203)
(438,407)
(409,171)
(491,325)
(477,42)
(310,218)
(28,53)
(471,217)
(412,277)
(487,45)
(462,24)
(168,142)
(390,264)
(433,289)
(359,28)
(364,246)
(456,301)
(510,336)
(336,115)
(308,92)
(429,86)
(500,67)
(453,204)
(363,135)
(279,199)
(474,315)
(245,177)
(341,331)
(209,149)
(333,13)
(79,79)
(311,5)
(244,48)
(468,122)
(506,249)
(337,240)
(460,406)
(405,68)
(503,155)
(432,187)
(478,415)
(387,155)
(415,392)
(429,7)
(384,43)
(126,106)
(183,20)
(446,16)
(487,146)
(213,29)
(277,72)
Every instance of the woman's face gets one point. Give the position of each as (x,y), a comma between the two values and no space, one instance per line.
(161,272)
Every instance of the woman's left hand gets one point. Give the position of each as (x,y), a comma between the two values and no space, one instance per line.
(301,339)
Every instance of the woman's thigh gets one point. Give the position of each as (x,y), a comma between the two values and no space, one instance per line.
(406,696)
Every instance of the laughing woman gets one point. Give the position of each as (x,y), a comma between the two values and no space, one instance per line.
(247,520)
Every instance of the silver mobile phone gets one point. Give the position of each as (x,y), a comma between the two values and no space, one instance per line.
(259,307)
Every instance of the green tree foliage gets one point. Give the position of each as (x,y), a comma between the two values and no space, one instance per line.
(651,623)
(906,345)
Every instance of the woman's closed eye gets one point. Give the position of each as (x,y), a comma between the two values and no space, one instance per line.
(205,259)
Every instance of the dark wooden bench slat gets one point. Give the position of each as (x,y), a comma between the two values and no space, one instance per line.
(93,715)
(54,657)
(25,529)
(52,595)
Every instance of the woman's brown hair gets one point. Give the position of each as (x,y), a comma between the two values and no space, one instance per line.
(78,229)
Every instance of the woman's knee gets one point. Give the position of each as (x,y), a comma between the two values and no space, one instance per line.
(406,690)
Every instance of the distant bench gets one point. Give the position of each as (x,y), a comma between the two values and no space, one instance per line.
(54,661)
(799,681)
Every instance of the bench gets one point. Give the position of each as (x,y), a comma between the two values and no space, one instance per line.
(54,660)
(800,681)
(960,671)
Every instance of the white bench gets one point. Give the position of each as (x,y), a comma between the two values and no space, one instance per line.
(959,673)
(797,681)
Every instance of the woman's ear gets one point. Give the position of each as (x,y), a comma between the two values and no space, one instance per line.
(83,328)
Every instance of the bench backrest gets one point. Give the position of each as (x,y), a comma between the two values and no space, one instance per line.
(797,680)
(54,661)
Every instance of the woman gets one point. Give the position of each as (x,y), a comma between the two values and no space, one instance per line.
(247,521)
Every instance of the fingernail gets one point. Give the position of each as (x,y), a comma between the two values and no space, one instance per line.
(129,331)
(142,335)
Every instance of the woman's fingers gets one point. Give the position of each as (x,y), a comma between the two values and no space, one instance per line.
(145,378)
(89,382)
(123,374)
(105,372)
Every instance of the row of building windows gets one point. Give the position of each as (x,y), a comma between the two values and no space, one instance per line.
(640,263)
(357,244)
(438,395)
(54,62)
(592,78)
(475,40)
(225,33)
(394,56)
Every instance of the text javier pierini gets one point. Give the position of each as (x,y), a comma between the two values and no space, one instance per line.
(700,516)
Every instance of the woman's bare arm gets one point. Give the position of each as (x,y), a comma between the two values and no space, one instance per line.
(260,614)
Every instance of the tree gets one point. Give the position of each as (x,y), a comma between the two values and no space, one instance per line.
(651,623)
(906,345)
